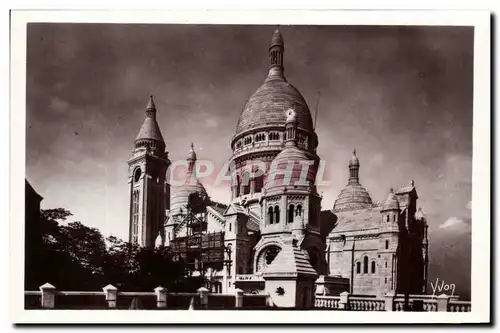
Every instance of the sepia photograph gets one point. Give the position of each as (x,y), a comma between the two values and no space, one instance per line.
(259,166)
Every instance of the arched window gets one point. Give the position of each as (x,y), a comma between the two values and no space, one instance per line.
(358,267)
(246,183)
(386,264)
(290,213)
(394,218)
(277,214)
(270,215)
(373,267)
(238,182)
(387,245)
(230,224)
(259,183)
(386,280)
(387,218)
(299,210)
(365,265)
(137,174)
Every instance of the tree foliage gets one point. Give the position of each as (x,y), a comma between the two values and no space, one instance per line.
(72,256)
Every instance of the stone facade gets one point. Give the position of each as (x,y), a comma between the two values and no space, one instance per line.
(358,245)
(149,191)
(378,247)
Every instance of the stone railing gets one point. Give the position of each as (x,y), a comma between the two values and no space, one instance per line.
(328,302)
(459,306)
(110,298)
(249,277)
(349,302)
(391,302)
(366,304)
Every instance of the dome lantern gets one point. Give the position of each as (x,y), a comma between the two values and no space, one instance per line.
(354,169)
(276,51)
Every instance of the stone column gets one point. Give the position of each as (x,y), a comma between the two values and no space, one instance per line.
(48,296)
(238,300)
(110,292)
(389,301)
(344,300)
(442,302)
(161,297)
(203,293)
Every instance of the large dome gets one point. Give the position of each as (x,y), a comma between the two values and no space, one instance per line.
(268,105)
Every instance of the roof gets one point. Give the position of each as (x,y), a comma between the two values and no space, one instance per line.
(30,191)
(219,207)
(235,208)
(357,220)
(150,129)
(291,259)
(253,223)
(406,188)
(267,107)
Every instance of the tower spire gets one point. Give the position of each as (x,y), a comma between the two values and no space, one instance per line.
(151,108)
(276,51)
(191,158)
(149,135)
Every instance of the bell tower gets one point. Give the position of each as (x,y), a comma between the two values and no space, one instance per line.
(149,191)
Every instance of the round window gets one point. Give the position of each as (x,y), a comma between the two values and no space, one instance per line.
(267,256)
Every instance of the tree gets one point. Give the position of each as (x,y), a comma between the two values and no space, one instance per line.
(73,256)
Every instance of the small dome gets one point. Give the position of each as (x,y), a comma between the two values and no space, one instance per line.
(391,203)
(353,196)
(180,194)
(419,215)
(292,155)
(354,161)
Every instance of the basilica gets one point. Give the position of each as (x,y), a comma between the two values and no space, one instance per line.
(275,235)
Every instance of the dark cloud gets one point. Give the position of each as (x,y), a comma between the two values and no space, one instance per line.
(402,96)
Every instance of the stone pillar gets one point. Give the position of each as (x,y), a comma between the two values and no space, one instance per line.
(203,292)
(48,296)
(389,301)
(269,300)
(238,300)
(110,292)
(161,297)
(344,300)
(442,302)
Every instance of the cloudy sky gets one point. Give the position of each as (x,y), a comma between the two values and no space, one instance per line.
(402,96)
